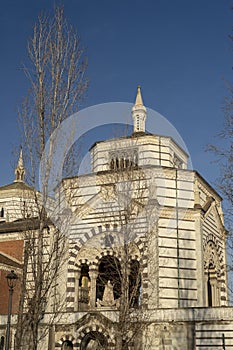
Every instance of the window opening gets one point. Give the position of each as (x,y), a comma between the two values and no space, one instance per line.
(94,341)
(209,291)
(123,160)
(109,270)
(212,289)
(67,345)
(84,287)
(2,343)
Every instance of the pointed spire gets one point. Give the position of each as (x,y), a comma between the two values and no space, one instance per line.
(138,101)
(19,170)
(20,161)
(139,113)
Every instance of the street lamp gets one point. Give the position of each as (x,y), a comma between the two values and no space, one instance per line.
(11,281)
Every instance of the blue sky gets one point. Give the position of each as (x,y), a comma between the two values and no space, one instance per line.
(177,50)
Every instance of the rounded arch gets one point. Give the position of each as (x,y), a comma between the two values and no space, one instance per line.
(107,228)
(80,262)
(67,339)
(211,239)
(93,341)
(91,332)
(135,257)
(106,252)
(74,264)
(67,345)
(109,272)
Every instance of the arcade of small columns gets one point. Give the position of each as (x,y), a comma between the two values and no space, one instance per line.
(88,289)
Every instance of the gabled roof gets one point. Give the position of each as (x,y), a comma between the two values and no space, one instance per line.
(19,225)
(17,185)
(6,260)
(93,318)
(210,188)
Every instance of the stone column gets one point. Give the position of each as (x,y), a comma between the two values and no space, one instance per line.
(206,302)
(213,284)
(93,276)
(202,299)
(217,294)
(51,337)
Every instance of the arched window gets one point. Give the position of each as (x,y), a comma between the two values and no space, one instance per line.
(112,164)
(94,341)
(109,270)
(2,343)
(123,160)
(67,345)
(209,288)
(212,287)
(212,275)
(84,287)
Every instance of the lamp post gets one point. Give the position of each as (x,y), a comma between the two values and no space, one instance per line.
(11,281)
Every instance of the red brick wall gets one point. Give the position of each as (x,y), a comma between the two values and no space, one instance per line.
(4,293)
(13,248)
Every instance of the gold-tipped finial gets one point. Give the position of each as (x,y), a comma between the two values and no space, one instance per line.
(139,101)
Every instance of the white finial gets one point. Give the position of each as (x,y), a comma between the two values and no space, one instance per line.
(20,171)
(139,113)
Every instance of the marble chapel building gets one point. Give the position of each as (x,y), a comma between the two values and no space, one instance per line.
(146,264)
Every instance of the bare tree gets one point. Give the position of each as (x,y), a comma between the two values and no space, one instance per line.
(224,158)
(122,282)
(223,153)
(56,74)
(136,218)
(128,191)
